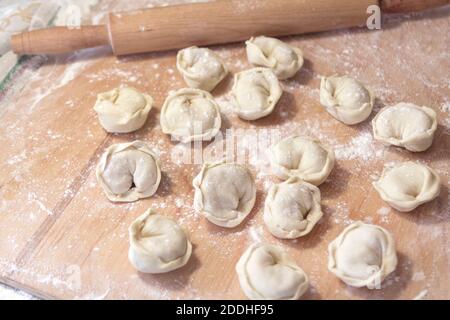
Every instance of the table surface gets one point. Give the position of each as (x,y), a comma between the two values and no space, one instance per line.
(61,237)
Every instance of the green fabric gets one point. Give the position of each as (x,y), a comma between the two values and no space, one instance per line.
(4,83)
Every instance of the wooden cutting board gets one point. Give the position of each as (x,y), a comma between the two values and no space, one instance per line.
(61,238)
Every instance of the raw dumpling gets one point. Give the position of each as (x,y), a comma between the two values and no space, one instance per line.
(302,157)
(272,53)
(257,91)
(292,208)
(224,192)
(201,68)
(346,99)
(362,255)
(122,110)
(407,185)
(405,125)
(157,244)
(266,272)
(190,115)
(128,172)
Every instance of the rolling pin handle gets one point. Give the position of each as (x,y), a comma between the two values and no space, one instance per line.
(43,41)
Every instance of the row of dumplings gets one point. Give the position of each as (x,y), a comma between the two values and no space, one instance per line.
(225,192)
(363,255)
(131,171)
(191,114)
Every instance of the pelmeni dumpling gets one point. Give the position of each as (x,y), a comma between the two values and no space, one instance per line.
(292,208)
(283,59)
(128,172)
(190,115)
(405,125)
(407,185)
(201,68)
(224,192)
(266,272)
(157,244)
(257,91)
(302,157)
(362,255)
(122,110)
(346,99)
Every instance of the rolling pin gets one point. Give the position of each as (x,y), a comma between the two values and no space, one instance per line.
(221,21)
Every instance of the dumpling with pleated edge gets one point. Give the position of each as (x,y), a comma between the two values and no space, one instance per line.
(406,185)
(346,99)
(405,125)
(292,208)
(267,272)
(157,244)
(123,109)
(201,68)
(190,114)
(363,255)
(283,59)
(302,157)
(257,92)
(129,171)
(225,193)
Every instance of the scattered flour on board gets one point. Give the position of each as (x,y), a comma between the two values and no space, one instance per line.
(418,276)
(339,213)
(360,147)
(383,212)
(446,121)
(256,233)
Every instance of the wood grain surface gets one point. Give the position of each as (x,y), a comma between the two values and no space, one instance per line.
(61,238)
